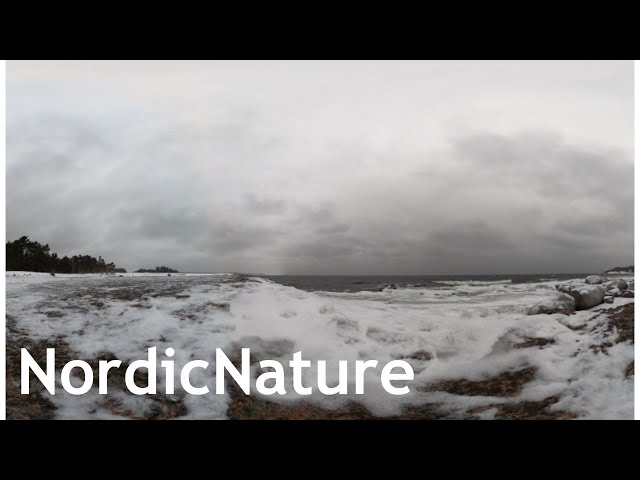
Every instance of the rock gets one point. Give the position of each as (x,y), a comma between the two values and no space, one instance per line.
(391,286)
(618,283)
(608,299)
(631,285)
(562,303)
(628,294)
(593,279)
(614,292)
(422,355)
(168,274)
(586,296)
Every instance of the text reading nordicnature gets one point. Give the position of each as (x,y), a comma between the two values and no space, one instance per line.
(223,364)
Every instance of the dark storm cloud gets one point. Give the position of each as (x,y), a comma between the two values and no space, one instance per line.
(325,168)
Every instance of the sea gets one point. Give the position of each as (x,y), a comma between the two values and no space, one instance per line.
(350,283)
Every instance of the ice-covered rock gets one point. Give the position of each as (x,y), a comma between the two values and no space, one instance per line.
(585,295)
(614,292)
(593,279)
(562,303)
(618,283)
(608,299)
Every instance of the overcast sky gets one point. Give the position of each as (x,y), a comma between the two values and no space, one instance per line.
(325,167)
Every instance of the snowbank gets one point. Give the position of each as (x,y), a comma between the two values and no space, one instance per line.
(457,331)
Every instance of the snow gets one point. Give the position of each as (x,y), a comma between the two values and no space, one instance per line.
(618,283)
(586,295)
(466,327)
(562,303)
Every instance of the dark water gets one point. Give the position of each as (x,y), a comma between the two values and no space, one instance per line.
(375,283)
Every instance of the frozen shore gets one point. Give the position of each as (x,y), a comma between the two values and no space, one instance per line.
(475,351)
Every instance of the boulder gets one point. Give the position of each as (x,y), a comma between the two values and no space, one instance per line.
(631,285)
(586,296)
(618,283)
(593,279)
(562,303)
(608,299)
(614,292)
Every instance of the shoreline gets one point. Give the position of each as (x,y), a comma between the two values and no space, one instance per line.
(36,406)
(516,380)
(506,385)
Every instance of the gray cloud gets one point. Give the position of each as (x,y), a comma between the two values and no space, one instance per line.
(264,206)
(475,235)
(329,168)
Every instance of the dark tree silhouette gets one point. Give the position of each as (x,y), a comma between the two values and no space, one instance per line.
(32,256)
(157,270)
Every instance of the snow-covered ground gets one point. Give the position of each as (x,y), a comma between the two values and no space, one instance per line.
(459,330)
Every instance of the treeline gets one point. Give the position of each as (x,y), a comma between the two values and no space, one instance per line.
(157,270)
(31,256)
(622,269)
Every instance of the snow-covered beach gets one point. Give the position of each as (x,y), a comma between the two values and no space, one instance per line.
(475,351)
